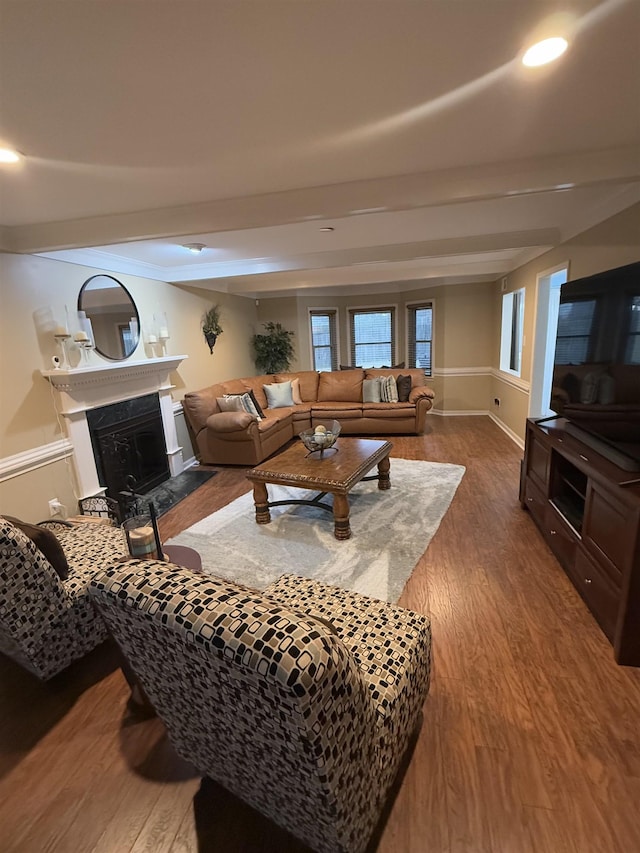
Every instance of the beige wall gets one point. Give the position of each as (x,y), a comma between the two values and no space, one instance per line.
(611,244)
(283,310)
(34,291)
(463,334)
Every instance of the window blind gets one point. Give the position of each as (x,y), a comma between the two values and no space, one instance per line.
(372,337)
(324,339)
(420,335)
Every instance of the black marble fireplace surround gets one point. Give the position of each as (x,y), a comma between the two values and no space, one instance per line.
(129,445)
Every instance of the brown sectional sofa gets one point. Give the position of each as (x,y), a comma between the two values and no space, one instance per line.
(238,438)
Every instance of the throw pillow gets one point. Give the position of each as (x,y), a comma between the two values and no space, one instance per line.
(295,391)
(256,404)
(371,390)
(230,403)
(606,390)
(46,542)
(279,395)
(571,384)
(589,388)
(388,389)
(403,383)
(248,405)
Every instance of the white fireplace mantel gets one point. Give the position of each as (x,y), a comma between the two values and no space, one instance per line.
(80,389)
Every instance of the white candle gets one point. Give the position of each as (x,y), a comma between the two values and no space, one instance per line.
(80,336)
(60,330)
(152,339)
(164,332)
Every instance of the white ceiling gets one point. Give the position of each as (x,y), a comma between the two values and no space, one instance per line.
(409,127)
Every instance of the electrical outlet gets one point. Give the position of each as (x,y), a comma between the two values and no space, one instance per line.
(496,401)
(56,508)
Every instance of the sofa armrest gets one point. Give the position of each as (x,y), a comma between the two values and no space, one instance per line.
(230,421)
(421,391)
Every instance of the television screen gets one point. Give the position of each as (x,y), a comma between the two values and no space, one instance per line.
(596,376)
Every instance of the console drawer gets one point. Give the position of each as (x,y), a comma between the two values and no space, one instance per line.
(562,539)
(535,502)
(600,594)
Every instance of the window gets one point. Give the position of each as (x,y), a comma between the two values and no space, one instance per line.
(632,355)
(575,327)
(420,335)
(372,332)
(512,326)
(324,338)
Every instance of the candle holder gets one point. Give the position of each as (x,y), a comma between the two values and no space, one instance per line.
(62,339)
(85,349)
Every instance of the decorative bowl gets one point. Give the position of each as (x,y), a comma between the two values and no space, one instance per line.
(323,439)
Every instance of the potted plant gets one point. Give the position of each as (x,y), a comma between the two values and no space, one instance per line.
(273,350)
(211,327)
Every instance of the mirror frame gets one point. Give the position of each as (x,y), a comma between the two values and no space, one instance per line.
(134,312)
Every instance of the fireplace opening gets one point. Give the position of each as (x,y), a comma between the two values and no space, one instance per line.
(129,446)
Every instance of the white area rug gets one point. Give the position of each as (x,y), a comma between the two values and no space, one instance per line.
(390,530)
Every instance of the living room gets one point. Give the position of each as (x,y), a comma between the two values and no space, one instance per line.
(529,740)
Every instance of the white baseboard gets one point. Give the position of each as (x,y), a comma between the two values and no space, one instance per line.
(458,414)
(190,462)
(512,435)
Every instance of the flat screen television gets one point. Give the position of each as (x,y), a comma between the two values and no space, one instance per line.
(596,375)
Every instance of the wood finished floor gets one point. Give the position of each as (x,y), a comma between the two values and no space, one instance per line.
(531,734)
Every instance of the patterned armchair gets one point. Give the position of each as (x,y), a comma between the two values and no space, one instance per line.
(301,700)
(45,622)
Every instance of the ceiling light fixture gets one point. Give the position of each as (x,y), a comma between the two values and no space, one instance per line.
(328,228)
(544,51)
(8,155)
(194,248)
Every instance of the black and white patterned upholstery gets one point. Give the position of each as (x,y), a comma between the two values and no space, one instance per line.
(305,723)
(46,623)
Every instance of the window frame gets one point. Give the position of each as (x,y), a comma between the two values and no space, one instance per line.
(410,308)
(334,345)
(512,331)
(352,310)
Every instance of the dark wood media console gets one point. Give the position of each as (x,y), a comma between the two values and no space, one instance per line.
(588,511)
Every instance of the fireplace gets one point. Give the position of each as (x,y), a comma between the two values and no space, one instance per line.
(81,391)
(129,445)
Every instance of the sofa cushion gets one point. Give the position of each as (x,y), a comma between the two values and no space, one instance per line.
(336,411)
(47,542)
(279,395)
(371,390)
(308,383)
(342,386)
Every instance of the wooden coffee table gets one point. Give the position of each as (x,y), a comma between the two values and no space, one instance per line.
(336,472)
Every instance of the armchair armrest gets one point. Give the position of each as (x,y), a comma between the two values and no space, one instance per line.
(421,391)
(230,421)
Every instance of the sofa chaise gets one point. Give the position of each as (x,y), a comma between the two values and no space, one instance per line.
(240,438)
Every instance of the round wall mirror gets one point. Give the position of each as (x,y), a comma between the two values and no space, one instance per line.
(113,314)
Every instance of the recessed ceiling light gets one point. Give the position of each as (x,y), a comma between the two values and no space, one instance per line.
(8,155)
(545,51)
(328,228)
(194,248)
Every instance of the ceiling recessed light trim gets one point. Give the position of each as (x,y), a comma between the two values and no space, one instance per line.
(544,51)
(9,156)
(327,228)
(194,248)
